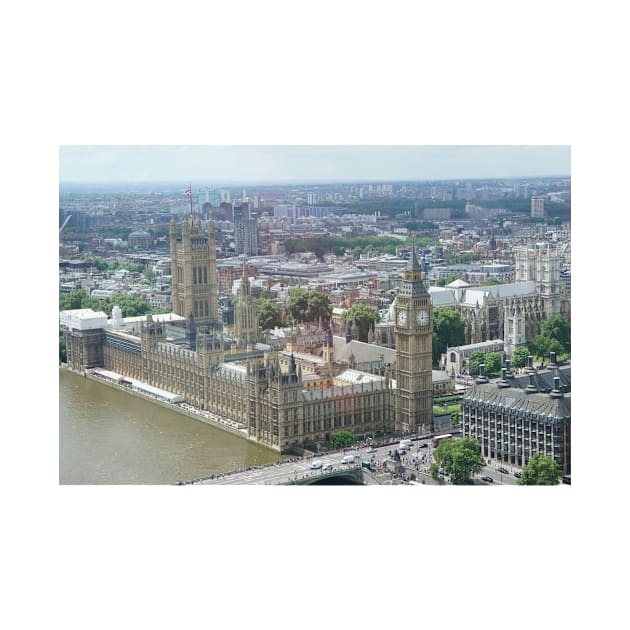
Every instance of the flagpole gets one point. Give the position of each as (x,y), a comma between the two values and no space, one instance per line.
(190,188)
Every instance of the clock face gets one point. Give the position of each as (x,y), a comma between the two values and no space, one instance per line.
(402,317)
(422,318)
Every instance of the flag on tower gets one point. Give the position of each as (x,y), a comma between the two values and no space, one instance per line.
(188,192)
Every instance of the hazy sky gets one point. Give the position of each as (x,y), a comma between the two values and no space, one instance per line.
(304,163)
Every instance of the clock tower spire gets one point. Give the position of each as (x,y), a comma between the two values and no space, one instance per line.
(414,335)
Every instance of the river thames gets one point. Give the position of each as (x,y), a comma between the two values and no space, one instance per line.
(107,436)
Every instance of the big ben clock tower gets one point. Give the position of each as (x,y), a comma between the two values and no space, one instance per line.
(414,334)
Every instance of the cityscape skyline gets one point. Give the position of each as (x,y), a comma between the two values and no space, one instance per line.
(265,164)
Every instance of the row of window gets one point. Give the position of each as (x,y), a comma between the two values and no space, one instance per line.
(200,275)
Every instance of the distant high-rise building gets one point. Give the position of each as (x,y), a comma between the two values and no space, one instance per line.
(538,207)
(245,231)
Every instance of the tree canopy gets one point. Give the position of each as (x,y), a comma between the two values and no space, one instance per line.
(540,470)
(459,458)
(297,304)
(341,439)
(308,306)
(555,336)
(269,313)
(130,305)
(319,306)
(338,245)
(520,356)
(448,331)
(557,328)
(492,360)
(442,282)
(490,282)
(364,317)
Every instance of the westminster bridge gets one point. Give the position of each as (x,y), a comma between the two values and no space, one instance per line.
(369,466)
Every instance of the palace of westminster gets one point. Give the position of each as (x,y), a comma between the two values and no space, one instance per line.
(285,394)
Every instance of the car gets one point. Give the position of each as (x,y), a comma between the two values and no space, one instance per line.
(317,464)
(424,445)
(371,450)
(504,471)
(517,473)
(488,479)
(327,467)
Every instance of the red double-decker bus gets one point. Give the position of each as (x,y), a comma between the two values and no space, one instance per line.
(438,438)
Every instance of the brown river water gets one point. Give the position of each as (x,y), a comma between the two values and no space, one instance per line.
(107,436)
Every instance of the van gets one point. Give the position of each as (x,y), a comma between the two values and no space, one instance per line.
(405,444)
(348,459)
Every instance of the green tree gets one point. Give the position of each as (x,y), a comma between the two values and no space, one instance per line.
(448,331)
(467,257)
(71,301)
(520,357)
(318,306)
(297,304)
(341,439)
(134,267)
(100,264)
(541,346)
(558,328)
(269,314)
(435,471)
(540,470)
(475,359)
(490,282)
(459,458)
(364,317)
(492,360)
(130,305)
(442,282)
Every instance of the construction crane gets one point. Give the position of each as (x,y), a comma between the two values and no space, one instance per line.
(64,223)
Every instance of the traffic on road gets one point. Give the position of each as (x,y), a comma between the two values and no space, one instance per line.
(405,461)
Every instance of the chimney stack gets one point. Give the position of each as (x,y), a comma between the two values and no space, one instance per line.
(509,374)
(482,375)
(556,392)
(503,382)
(531,388)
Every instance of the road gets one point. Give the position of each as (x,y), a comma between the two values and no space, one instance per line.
(420,453)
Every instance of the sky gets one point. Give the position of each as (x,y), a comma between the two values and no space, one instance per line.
(284,163)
